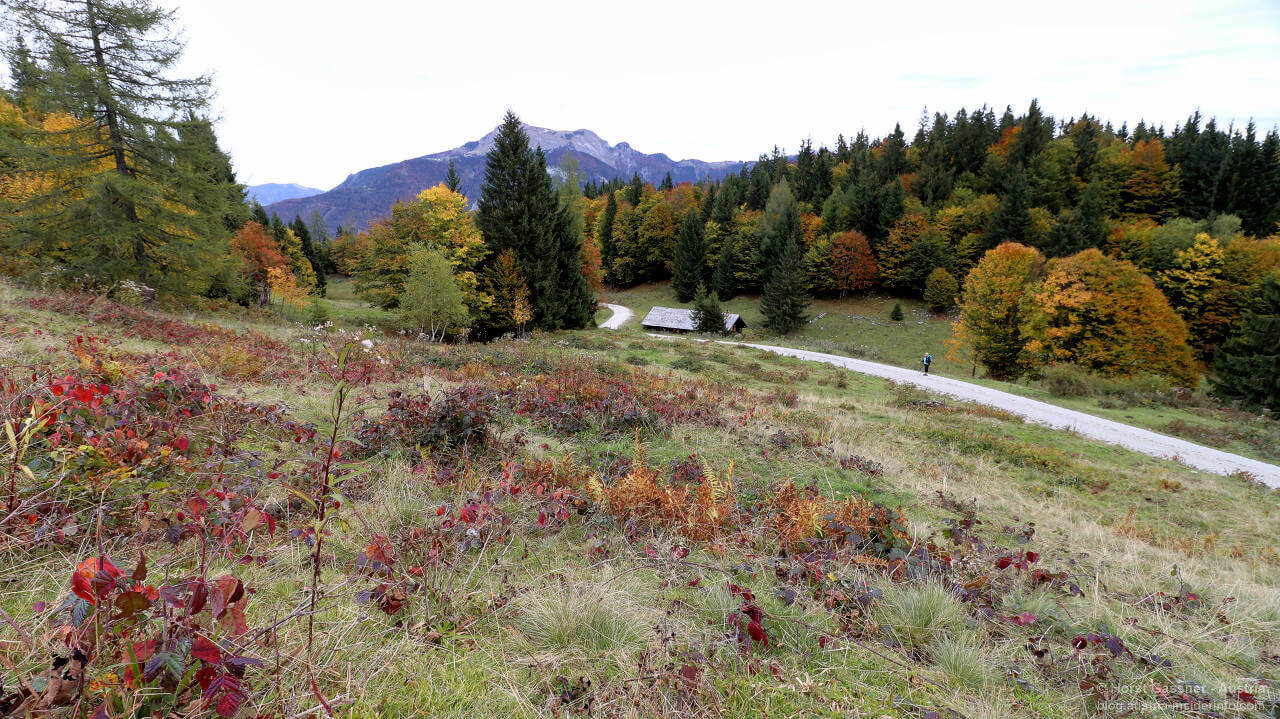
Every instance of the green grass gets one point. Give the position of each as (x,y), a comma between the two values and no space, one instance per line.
(855,326)
(344,308)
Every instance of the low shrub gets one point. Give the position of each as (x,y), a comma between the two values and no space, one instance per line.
(458,422)
(1067,380)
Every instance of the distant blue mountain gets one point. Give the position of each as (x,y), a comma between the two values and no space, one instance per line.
(273,192)
(369,194)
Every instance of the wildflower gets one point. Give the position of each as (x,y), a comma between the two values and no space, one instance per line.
(368,344)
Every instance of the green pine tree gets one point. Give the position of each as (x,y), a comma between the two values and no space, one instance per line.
(666,183)
(708,317)
(1080,228)
(519,209)
(780,226)
(723,283)
(1248,365)
(1011,222)
(635,191)
(604,234)
(452,180)
(690,258)
(896,313)
(303,232)
(786,294)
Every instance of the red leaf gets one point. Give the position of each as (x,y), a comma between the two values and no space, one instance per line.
(181,443)
(1004,562)
(756,631)
(94,578)
(1032,557)
(205,650)
(1023,619)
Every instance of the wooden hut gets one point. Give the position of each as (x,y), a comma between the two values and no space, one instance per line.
(674,319)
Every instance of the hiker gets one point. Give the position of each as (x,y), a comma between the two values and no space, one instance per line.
(928,360)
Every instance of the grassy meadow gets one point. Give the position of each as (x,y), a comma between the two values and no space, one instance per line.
(593,523)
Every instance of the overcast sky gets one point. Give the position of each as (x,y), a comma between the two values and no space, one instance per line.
(309,91)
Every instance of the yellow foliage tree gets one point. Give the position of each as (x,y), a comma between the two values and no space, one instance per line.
(1106,315)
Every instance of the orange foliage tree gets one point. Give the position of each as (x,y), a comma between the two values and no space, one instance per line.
(260,253)
(1106,315)
(852,262)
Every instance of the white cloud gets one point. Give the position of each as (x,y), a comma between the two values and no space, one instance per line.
(309,91)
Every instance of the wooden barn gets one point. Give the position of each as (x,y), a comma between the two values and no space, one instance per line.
(674,319)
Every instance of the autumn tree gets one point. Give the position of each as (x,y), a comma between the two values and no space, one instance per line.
(687,275)
(432,302)
(843,263)
(1195,272)
(1105,315)
(940,290)
(1248,366)
(992,312)
(437,218)
(259,253)
(510,309)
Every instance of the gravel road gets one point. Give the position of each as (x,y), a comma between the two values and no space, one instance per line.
(620,316)
(1087,425)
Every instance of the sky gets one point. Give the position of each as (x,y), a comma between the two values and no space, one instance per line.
(309,91)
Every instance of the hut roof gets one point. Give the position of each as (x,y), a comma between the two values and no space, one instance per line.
(674,318)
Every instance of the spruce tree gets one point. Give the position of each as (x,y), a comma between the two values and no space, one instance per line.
(604,234)
(1011,222)
(708,203)
(635,191)
(1248,365)
(723,283)
(258,214)
(303,232)
(1080,228)
(896,313)
(786,294)
(452,180)
(708,317)
(780,226)
(132,193)
(666,185)
(519,209)
(690,258)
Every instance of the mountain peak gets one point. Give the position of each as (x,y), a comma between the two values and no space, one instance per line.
(369,194)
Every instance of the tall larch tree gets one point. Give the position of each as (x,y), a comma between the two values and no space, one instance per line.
(142,203)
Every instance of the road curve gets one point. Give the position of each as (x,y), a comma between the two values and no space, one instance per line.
(620,316)
(1104,430)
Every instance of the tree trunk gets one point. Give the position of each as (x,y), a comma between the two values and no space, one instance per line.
(115,137)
